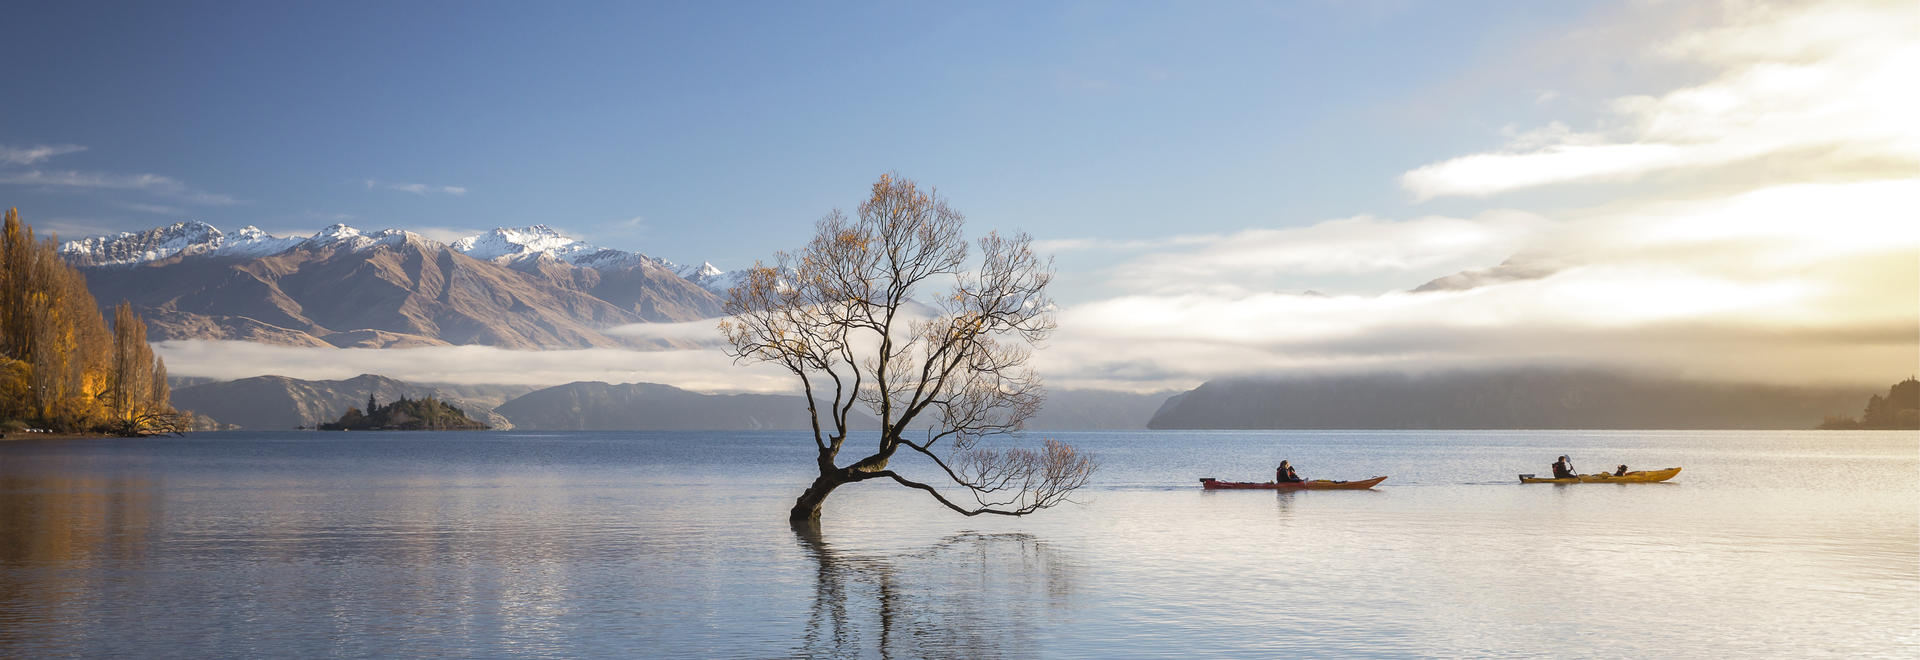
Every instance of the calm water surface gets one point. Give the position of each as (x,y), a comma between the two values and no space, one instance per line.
(675,544)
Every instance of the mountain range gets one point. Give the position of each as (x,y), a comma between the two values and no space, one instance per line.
(1521,398)
(595,406)
(280,403)
(1536,398)
(524,288)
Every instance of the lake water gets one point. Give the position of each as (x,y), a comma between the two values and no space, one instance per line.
(667,544)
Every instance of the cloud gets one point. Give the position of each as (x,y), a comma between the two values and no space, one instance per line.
(1825,87)
(421,189)
(703,333)
(636,226)
(160,209)
(1791,258)
(1789,284)
(701,370)
(1059,245)
(150,183)
(1265,259)
(74,226)
(35,154)
(446,234)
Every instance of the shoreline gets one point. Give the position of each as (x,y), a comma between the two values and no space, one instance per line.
(22,437)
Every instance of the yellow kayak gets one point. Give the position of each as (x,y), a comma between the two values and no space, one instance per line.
(1634,477)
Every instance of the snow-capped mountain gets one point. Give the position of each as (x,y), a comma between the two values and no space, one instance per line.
(340,236)
(138,247)
(189,237)
(504,245)
(709,277)
(518,244)
(347,288)
(250,241)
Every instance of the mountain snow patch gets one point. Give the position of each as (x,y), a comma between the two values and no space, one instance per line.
(503,245)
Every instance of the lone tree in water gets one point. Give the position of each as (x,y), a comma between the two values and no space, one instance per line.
(841,316)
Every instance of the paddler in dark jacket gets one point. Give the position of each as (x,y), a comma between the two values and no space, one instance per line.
(1563,469)
(1284,473)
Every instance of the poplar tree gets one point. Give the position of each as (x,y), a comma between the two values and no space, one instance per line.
(60,366)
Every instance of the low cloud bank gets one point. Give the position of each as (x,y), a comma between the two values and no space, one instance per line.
(699,370)
(704,333)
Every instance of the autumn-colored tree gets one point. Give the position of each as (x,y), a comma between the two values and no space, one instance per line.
(16,389)
(158,391)
(16,283)
(71,351)
(56,352)
(842,317)
(132,364)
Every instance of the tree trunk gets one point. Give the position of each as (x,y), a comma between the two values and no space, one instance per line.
(806,509)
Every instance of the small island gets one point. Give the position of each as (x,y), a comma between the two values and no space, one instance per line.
(428,414)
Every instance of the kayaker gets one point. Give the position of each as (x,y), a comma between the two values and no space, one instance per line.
(1620,472)
(1563,469)
(1284,473)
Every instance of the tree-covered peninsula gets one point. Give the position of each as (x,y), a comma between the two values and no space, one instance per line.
(1898,410)
(404,414)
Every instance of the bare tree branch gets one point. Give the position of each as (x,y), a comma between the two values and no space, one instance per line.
(846,309)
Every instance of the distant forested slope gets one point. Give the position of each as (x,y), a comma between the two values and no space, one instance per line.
(1898,410)
(647,406)
(1504,399)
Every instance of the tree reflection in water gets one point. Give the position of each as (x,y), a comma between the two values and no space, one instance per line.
(971,594)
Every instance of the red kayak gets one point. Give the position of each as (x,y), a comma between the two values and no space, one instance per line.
(1210,483)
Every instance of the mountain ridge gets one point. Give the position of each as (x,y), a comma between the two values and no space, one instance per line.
(283,403)
(601,406)
(393,288)
(500,245)
(1525,398)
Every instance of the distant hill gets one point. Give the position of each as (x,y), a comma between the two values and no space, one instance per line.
(1898,410)
(1504,399)
(647,406)
(270,403)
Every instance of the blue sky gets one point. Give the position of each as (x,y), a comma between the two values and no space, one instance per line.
(1711,190)
(726,129)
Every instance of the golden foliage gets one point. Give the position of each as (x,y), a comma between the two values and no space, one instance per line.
(60,368)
